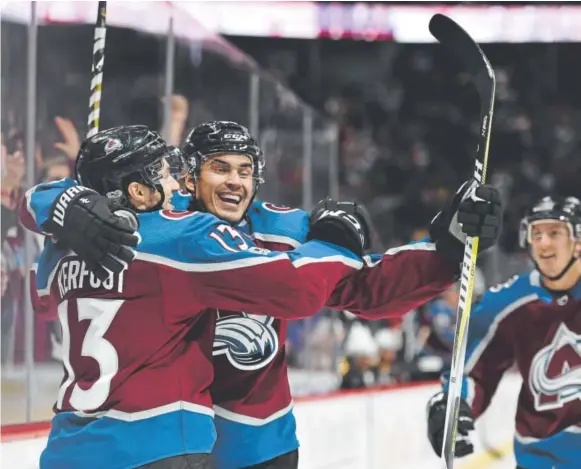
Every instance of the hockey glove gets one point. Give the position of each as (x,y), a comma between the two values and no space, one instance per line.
(345,224)
(475,210)
(436,421)
(83,221)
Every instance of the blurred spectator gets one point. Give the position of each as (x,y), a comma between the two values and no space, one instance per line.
(12,241)
(359,365)
(441,321)
(389,369)
(55,168)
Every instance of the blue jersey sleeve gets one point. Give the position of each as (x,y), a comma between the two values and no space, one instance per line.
(228,271)
(276,225)
(38,200)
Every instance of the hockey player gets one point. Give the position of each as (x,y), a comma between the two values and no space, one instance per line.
(251,394)
(253,405)
(137,345)
(533,320)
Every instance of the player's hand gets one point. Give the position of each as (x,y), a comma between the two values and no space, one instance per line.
(475,210)
(85,222)
(436,421)
(345,224)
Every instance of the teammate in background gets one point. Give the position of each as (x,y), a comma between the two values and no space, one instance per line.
(251,394)
(533,320)
(137,344)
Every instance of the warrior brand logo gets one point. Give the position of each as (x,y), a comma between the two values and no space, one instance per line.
(248,340)
(59,211)
(466,269)
(478,169)
(112,145)
(555,373)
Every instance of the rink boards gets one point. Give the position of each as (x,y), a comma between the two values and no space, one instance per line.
(370,429)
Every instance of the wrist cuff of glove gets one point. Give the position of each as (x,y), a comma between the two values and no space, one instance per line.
(58,210)
(446,244)
(453,251)
(335,233)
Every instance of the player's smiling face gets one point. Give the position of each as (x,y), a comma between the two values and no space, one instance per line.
(552,246)
(225,185)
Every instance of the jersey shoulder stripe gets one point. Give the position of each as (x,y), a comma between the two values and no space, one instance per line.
(278,224)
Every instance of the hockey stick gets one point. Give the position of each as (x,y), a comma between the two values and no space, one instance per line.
(471,60)
(97,70)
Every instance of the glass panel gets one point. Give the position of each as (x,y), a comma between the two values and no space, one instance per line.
(281,118)
(14,163)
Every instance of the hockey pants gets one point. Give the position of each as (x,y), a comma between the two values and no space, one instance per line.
(185,461)
(285,461)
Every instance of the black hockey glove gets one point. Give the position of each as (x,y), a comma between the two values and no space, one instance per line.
(475,210)
(345,224)
(436,421)
(102,235)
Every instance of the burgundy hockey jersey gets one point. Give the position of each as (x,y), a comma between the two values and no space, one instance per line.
(521,322)
(250,392)
(137,348)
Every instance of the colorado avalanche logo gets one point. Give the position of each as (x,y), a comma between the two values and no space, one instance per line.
(112,145)
(555,374)
(248,340)
(278,208)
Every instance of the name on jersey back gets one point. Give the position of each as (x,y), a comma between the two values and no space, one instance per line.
(73,274)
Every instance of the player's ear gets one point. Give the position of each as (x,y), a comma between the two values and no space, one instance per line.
(138,195)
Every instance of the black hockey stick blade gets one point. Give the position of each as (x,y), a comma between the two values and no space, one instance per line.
(467,53)
(470,59)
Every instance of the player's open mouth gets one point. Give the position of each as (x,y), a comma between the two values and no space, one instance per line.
(230,199)
(547,256)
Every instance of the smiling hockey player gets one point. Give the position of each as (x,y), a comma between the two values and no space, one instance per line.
(251,394)
(533,320)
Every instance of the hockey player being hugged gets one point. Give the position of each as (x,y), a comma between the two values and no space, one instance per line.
(137,342)
(251,394)
(533,321)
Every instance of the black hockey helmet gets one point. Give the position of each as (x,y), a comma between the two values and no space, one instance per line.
(216,137)
(553,208)
(565,209)
(111,159)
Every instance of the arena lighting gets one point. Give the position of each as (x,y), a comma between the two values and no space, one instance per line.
(335,20)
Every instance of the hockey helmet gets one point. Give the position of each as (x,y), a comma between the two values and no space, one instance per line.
(565,209)
(108,161)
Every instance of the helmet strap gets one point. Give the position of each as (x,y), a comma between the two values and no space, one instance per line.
(563,272)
